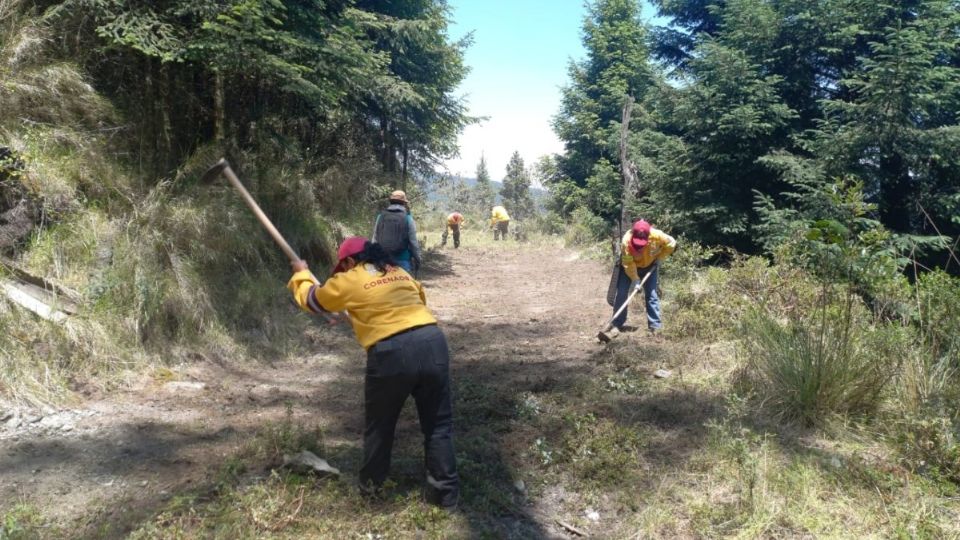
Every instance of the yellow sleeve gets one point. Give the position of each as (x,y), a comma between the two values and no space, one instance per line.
(313,297)
(629,265)
(300,284)
(669,244)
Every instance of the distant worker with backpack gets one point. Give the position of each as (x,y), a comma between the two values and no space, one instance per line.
(641,250)
(500,221)
(454,221)
(395,231)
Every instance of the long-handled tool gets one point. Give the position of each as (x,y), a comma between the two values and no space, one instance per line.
(223,167)
(609,332)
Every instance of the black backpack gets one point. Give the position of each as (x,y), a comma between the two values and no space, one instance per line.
(392,231)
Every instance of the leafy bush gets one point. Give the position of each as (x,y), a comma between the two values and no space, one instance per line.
(549,223)
(926,424)
(930,442)
(807,369)
(709,304)
(939,315)
(586,227)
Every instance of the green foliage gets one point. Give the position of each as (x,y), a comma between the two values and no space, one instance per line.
(810,368)
(515,193)
(585,228)
(939,315)
(896,126)
(483,193)
(287,437)
(597,450)
(549,223)
(772,94)
(23,521)
(591,105)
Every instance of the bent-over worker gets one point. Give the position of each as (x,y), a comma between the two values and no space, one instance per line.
(407,354)
(500,221)
(641,250)
(454,221)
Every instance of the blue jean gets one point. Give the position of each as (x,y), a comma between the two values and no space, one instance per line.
(406,264)
(624,286)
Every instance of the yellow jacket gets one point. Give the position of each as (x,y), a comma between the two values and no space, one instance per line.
(379,305)
(660,246)
(498,214)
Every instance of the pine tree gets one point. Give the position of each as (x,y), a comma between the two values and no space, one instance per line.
(591,106)
(897,127)
(515,192)
(483,194)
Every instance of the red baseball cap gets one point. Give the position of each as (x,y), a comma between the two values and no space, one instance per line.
(641,234)
(348,248)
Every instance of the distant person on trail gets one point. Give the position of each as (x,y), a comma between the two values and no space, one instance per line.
(407,354)
(454,221)
(395,231)
(500,221)
(641,250)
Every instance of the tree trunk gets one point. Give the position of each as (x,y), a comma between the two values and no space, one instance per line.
(627,174)
(219,113)
(403,172)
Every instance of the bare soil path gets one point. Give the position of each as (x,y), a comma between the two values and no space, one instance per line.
(517,318)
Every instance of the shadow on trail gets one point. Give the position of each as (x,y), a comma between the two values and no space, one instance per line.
(436,265)
(486,388)
(134,470)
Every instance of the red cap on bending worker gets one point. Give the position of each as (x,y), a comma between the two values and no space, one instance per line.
(641,234)
(350,247)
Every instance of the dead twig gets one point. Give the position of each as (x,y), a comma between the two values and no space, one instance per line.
(571,528)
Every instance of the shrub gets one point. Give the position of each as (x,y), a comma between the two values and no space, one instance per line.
(549,223)
(807,369)
(586,227)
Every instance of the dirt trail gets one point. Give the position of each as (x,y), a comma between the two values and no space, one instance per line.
(526,315)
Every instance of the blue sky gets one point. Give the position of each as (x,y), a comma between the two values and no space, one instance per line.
(518,63)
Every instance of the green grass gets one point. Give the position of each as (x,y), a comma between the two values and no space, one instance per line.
(678,457)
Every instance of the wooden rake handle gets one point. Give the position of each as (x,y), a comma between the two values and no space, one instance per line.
(255,208)
(224,167)
(626,302)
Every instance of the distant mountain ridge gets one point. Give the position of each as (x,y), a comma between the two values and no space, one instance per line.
(437,195)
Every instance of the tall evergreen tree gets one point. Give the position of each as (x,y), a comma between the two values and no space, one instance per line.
(591,106)
(898,125)
(515,192)
(483,194)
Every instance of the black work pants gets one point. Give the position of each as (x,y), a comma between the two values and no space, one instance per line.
(500,230)
(414,363)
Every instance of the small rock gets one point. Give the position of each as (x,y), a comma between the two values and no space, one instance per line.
(592,515)
(308,462)
(32,418)
(662,373)
(51,422)
(5,415)
(13,422)
(181,386)
(835,462)
(144,483)
(520,486)
(66,427)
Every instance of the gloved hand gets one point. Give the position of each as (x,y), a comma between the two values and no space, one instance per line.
(638,284)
